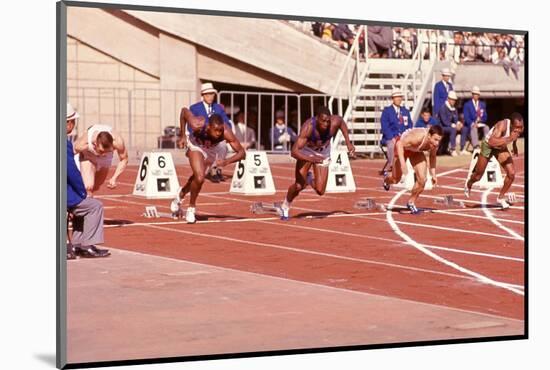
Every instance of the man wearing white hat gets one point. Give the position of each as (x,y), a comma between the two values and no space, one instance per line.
(395,120)
(475,117)
(207,107)
(87,212)
(441,90)
(448,119)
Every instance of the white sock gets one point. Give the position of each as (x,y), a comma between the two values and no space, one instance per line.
(286,204)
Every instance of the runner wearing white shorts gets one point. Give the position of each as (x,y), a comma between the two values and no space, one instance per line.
(205,144)
(312,149)
(94,155)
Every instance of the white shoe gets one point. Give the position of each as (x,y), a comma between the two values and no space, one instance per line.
(464,152)
(190,215)
(503,203)
(175,205)
(454,153)
(285,211)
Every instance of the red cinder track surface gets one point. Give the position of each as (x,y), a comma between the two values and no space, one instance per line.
(458,261)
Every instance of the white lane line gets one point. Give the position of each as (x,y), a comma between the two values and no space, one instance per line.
(453,229)
(357,292)
(495,221)
(473,190)
(464,180)
(481,278)
(305,251)
(399,242)
(456,212)
(360,215)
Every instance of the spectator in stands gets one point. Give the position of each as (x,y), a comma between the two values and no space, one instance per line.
(395,119)
(441,90)
(244,133)
(205,108)
(328,29)
(475,117)
(379,40)
(455,51)
(425,119)
(87,213)
(510,61)
(282,137)
(343,36)
(448,119)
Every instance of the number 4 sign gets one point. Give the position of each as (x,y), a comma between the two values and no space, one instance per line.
(252,175)
(156,177)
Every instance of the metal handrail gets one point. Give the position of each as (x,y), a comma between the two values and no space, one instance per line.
(354,49)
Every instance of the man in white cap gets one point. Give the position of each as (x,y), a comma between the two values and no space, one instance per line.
(394,121)
(87,212)
(475,116)
(441,90)
(448,119)
(205,108)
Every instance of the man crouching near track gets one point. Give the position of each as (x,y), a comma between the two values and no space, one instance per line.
(412,144)
(312,148)
(496,144)
(205,145)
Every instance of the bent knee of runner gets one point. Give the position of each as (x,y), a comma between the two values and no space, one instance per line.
(511,175)
(199,178)
(319,191)
(421,181)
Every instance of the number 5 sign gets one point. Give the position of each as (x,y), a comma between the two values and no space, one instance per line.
(156,177)
(252,175)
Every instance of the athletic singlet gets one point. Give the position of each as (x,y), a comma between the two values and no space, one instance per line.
(202,137)
(419,148)
(506,134)
(316,142)
(91,133)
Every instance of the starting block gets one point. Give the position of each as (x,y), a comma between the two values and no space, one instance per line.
(369,204)
(512,198)
(263,207)
(448,201)
(152,212)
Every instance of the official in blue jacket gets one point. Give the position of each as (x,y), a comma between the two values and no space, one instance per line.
(395,120)
(448,119)
(425,119)
(87,212)
(205,108)
(475,116)
(441,90)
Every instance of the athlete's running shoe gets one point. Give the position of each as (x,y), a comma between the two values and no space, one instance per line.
(175,205)
(190,215)
(284,212)
(503,203)
(385,184)
(413,209)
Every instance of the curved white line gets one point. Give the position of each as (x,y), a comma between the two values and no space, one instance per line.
(493,219)
(481,278)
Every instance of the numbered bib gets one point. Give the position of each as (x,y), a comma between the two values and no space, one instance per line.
(156,177)
(252,175)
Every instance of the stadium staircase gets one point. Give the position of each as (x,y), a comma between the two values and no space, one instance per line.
(369,84)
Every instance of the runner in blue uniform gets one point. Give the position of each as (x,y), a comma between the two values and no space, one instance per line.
(312,149)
